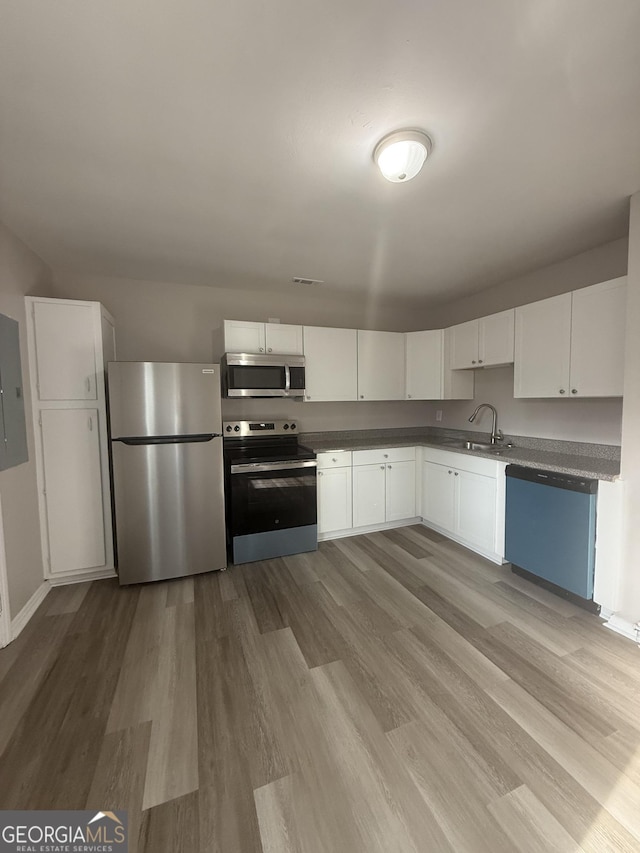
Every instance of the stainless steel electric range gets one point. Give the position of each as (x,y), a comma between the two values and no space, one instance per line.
(270,488)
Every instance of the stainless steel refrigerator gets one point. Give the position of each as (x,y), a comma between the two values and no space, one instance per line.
(168,481)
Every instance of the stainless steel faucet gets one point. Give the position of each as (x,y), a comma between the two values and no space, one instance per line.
(496,434)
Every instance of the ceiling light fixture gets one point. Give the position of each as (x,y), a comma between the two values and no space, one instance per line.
(401,155)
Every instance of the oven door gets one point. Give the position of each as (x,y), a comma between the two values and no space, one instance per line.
(272,496)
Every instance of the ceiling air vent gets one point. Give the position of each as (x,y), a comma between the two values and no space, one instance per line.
(298,280)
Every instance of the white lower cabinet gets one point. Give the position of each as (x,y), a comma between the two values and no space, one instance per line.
(73,489)
(384,485)
(475,508)
(463,497)
(364,489)
(400,490)
(334,499)
(369,499)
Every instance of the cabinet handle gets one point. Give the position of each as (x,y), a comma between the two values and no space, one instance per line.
(451,472)
(261,349)
(362,396)
(386,455)
(308,396)
(574,390)
(334,460)
(88,384)
(562,390)
(319,473)
(473,361)
(389,467)
(479,361)
(90,424)
(270,350)
(382,467)
(408,396)
(455,473)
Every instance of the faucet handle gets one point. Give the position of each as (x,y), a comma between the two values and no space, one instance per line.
(498,436)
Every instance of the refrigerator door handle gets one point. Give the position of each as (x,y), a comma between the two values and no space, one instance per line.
(168,439)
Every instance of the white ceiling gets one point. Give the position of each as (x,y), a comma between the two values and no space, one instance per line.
(229,141)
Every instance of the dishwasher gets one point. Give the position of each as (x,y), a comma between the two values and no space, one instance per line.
(550,530)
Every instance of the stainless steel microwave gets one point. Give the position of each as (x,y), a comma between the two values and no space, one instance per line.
(249,375)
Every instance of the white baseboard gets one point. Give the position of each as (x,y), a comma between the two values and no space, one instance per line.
(20,621)
(370,528)
(489,555)
(622,626)
(96,575)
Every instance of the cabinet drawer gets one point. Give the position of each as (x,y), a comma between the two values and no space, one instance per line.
(464,462)
(335,459)
(384,455)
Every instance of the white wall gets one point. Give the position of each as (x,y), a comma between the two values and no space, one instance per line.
(597,421)
(160,321)
(21,273)
(630,469)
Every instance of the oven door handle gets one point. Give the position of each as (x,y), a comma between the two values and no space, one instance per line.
(287,379)
(289,465)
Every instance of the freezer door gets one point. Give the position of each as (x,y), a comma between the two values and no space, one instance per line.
(155,398)
(169,509)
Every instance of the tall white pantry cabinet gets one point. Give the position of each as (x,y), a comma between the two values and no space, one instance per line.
(70,343)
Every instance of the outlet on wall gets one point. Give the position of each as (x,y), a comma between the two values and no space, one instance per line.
(438,414)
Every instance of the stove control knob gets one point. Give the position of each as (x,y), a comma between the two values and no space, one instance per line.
(236,428)
(293,426)
(228,429)
(286,426)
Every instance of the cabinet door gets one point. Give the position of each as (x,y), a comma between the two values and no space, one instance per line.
(464,345)
(284,339)
(598,316)
(542,348)
(495,338)
(243,336)
(368,495)
(438,491)
(73,488)
(424,365)
(65,351)
(334,499)
(476,509)
(400,491)
(456,384)
(331,361)
(380,365)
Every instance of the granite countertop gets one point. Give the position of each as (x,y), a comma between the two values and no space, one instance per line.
(596,461)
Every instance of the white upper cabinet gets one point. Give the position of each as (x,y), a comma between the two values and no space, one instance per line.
(424,355)
(241,336)
(486,342)
(572,345)
(65,351)
(381,365)
(543,348)
(281,338)
(464,345)
(598,316)
(275,338)
(331,362)
(496,338)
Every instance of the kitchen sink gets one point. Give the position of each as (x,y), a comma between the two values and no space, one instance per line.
(479,445)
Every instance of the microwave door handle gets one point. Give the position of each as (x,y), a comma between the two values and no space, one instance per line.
(287,379)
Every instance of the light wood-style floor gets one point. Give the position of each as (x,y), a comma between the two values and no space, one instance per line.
(391,692)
